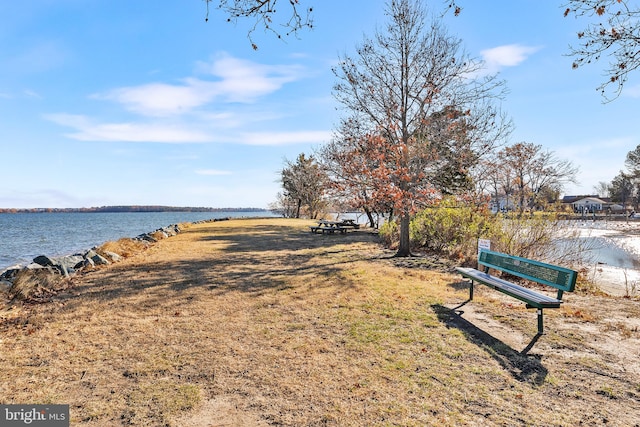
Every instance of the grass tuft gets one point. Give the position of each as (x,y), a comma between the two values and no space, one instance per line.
(32,285)
(125,247)
(160,401)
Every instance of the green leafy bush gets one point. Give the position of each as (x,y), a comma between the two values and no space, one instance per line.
(452,229)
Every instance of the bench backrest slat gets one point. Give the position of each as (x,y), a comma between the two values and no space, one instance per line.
(558,277)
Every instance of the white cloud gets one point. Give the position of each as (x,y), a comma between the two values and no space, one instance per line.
(25,93)
(32,94)
(40,57)
(506,56)
(285,138)
(86,130)
(221,120)
(243,81)
(212,107)
(237,81)
(160,99)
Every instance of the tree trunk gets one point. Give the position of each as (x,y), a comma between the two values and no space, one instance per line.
(404,250)
(372,222)
(298,208)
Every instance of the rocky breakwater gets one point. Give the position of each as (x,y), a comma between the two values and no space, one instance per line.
(45,270)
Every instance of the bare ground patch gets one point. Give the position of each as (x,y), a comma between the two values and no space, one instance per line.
(260,322)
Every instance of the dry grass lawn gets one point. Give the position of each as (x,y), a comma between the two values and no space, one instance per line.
(260,322)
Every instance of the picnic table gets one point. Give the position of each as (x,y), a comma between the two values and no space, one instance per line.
(329,227)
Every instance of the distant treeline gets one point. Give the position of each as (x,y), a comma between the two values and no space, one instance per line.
(131,209)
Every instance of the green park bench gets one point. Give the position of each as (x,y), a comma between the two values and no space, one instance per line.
(563,279)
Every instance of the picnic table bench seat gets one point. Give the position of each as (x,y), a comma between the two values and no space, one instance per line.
(349,223)
(560,278)
(327,229)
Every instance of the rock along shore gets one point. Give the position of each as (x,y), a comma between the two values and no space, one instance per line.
(69,265)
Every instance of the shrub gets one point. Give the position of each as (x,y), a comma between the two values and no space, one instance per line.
(524,235)
(541,236)
(451,228)
(389,233)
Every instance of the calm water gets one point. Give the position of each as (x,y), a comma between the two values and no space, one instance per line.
(24,236)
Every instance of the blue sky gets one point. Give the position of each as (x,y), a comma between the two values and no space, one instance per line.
(113,102)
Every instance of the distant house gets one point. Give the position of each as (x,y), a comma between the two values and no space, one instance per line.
(590,204)
(503,204)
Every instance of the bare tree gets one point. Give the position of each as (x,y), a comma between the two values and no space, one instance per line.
(535,171)
(491,175)
(405,82)
(614,31)
(285,206)
(264,13)
(602,189)
(548,176)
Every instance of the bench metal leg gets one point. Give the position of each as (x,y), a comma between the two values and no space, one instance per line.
(471,291)
(540,320)
(540,323)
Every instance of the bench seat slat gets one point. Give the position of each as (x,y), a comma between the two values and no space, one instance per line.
(529,296)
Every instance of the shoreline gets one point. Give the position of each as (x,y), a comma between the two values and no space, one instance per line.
(616,281)
(623,237)
(25,236)
(611,279)
(70,264)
